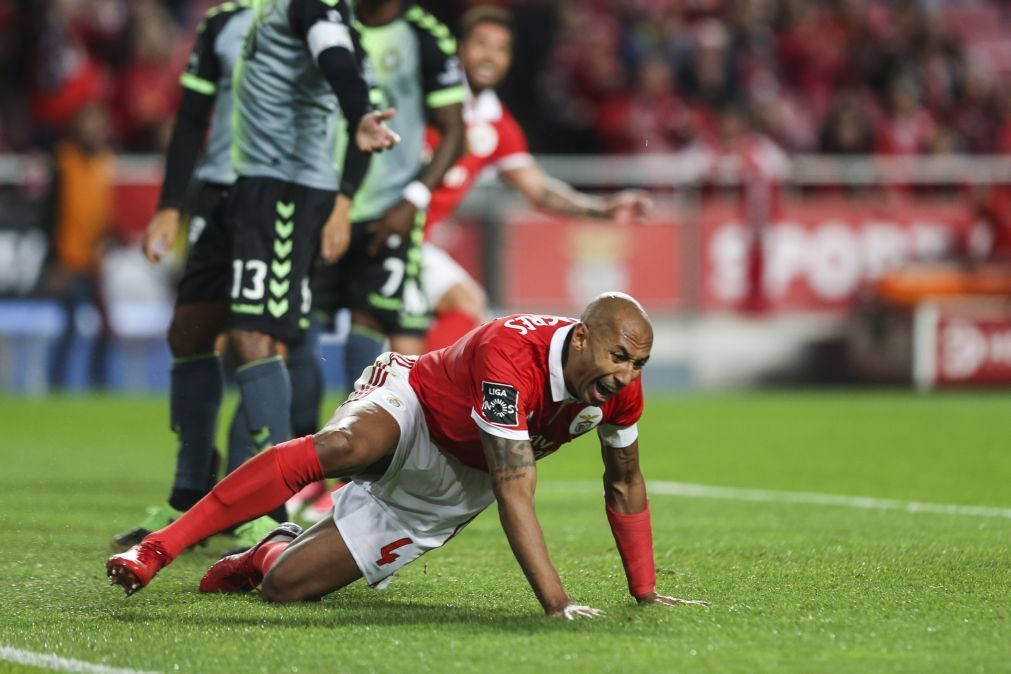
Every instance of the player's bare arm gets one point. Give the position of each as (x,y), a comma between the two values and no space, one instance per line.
(336,234)
(514,480)
(625,494)
(555,196)
(448,119)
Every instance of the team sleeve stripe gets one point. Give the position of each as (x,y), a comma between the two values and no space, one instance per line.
(492,429)
(198,84)
(449,96)
(618,436)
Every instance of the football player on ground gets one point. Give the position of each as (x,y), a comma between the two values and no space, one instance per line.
(300,60)
(430,442)
(495,142)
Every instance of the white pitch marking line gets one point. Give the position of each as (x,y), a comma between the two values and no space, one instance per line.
(808,498)
(56,663)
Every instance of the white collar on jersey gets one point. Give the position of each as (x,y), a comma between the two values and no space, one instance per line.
(483,107)
(558,390)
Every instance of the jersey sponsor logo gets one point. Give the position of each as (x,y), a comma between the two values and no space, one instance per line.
(588,418)
(455,177)
(451,75)
(482,139)
(527,323)
(499,403)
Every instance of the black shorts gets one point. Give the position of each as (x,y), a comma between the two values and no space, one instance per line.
(208,270)
(275,229)
(386,286)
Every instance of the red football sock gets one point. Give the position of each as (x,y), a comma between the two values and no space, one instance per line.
(268,554)
(256,487)
(448,327)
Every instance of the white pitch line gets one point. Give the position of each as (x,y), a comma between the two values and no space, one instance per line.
(58,664)
(685,489)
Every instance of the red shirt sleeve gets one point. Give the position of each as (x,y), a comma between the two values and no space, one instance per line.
(499,393)
(512,150)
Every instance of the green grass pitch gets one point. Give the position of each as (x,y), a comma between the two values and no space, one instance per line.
(793,587)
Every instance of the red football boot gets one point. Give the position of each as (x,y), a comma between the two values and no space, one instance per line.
(237,573)
(135,568)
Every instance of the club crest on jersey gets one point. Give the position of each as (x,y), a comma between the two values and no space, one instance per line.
(482,139)
(588,418)
(499,403)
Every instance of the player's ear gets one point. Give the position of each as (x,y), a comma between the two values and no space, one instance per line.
(579,336)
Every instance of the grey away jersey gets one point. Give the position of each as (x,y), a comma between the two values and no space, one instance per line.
(415,67)
(287,118)
(209,72)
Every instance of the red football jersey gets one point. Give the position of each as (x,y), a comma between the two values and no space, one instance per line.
(505,378)
(494,141)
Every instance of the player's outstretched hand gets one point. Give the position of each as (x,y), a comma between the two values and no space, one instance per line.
(373,135)
(398,220)
(654,598)
(160,234)
(628,206)
(336,234)
(573,611)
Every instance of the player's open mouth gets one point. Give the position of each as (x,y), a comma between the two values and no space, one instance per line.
(602,392)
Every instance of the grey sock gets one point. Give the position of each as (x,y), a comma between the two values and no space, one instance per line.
(266,401)
(194,400)
(306,382)
(360,352)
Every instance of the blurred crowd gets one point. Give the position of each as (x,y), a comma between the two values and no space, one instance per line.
(616,76)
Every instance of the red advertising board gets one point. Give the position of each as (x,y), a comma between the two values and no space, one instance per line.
(962,345)
(558,265)
(818,254)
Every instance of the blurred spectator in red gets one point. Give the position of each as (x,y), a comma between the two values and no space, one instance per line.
(65,76)
(650,118)
(907,127)
(83,202)
(147,88)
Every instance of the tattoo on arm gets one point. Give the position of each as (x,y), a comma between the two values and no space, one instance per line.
(558,197)
(508,459)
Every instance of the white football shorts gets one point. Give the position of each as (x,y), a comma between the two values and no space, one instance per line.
(422,500)
(439,273)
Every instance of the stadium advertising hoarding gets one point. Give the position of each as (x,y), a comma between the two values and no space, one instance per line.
(962,344)
(819,254)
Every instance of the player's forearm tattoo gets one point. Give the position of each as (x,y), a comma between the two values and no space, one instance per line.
(512,459)
(562,199)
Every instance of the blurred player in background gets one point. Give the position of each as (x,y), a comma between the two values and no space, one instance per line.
(417,72)
(296,55)
(432,441)
(197,382)
(495,142)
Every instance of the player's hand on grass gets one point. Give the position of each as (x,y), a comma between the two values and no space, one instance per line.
(628,206)
(373,135)
(573,611)
(654,598)
(160,234)
(336,234)
(398,220)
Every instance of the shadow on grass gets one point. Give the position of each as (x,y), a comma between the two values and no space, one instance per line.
(367,609)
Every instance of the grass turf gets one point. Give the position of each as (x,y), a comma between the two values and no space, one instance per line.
(793,588)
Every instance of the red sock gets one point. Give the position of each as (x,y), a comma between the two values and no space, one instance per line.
(256,487)
(268,554)
(448,327)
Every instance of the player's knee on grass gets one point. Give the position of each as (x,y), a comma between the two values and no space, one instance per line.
(279,588)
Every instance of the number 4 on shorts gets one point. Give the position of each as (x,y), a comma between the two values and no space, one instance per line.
(388,556)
